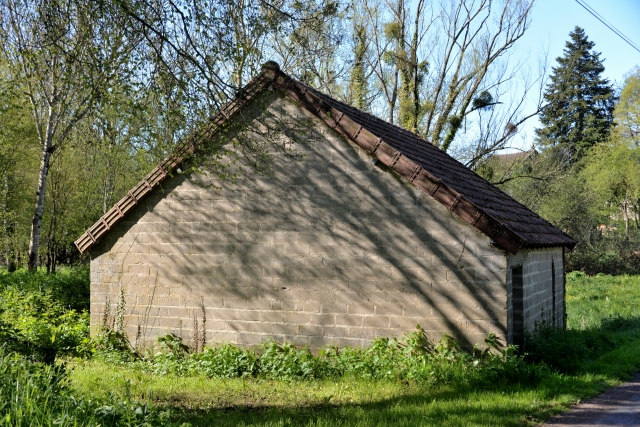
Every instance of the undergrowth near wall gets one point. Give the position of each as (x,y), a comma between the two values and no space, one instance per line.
(45,315)
(35,394)
(603,314)
(413,357)
(42,317)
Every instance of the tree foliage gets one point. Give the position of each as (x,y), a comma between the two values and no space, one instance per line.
(115,85)
(580,102)
(65,55)
(627,111)
(95,93)
(613,172)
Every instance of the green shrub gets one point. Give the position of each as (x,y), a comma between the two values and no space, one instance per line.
(285,361)
(170,356)
(611,255)
(113,346)
(43,325)
(43,315)
(69,287)
(621,324)
(567,350)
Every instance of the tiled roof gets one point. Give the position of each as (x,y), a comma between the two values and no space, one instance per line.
(509,223)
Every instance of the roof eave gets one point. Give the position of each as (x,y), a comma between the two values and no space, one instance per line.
(402,165)
(182,153)
(375,146)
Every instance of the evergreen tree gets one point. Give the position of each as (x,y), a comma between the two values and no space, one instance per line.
(579,110)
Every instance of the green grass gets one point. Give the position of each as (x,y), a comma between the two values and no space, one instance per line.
(350,401)
(602,312)
(340,402)
(593,299)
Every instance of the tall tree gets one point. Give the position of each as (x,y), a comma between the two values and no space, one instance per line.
(613,172)
(580,102)
(434,63)
(18,163)
(358,77)
(65,54)
(627,111)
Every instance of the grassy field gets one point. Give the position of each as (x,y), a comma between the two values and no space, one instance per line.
(347,401)
(445,388)
(341,402)
(592,299)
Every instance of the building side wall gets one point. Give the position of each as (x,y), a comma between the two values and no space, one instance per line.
(538,268)
(328,249)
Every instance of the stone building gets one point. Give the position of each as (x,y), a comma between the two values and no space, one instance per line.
(356,229)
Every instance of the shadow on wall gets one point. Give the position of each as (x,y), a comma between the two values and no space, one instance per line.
(321,230)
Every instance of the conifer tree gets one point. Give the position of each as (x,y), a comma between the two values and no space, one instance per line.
(580,102)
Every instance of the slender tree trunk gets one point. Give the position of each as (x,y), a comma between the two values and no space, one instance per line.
(625,213)
(47,150)
(36,222)
(11,265)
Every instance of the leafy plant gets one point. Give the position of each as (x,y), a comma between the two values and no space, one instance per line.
(38,323)
(285,361)
(566,350)
(226,361)
(114,346)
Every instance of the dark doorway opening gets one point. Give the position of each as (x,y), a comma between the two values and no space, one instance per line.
(553,293)
(517,304)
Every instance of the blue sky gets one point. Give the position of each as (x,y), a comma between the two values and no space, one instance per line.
(552,21)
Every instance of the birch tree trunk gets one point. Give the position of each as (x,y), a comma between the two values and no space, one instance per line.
(625,214)
(36,223)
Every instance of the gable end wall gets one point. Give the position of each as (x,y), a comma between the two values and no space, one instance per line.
(328,250)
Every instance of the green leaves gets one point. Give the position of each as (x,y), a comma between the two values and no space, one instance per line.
(39,314)
(579,109)
(412,357)
(627,111)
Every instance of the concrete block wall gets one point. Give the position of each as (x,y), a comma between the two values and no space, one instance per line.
(537,273)
(328,249)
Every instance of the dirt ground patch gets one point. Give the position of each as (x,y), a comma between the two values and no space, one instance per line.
(619,406)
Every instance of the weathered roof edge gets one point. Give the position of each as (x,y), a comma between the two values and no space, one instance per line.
(164,169)
(400,164)
(394,159)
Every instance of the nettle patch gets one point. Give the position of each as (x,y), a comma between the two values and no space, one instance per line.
(412,357)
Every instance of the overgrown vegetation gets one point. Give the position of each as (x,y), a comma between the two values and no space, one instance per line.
(393,381)
(43,315)
(34,394)
(412,357)
(602,315)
